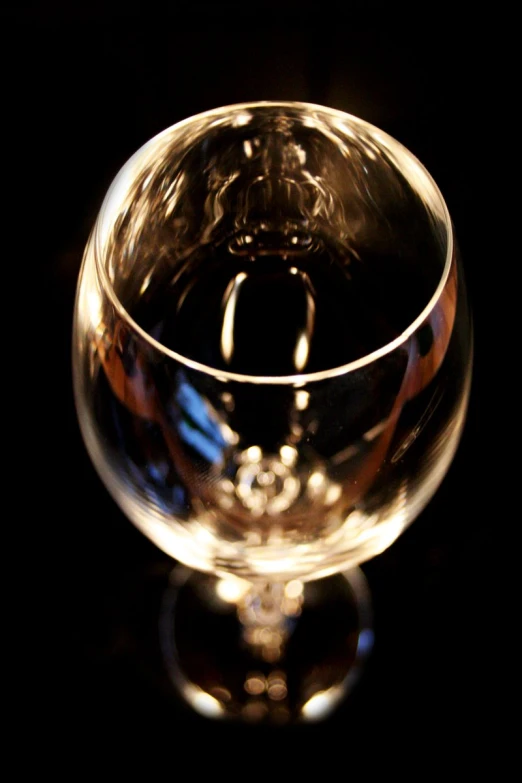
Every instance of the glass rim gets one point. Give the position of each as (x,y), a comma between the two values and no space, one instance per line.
(296,379)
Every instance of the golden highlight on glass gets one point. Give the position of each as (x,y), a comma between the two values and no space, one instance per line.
(272,343)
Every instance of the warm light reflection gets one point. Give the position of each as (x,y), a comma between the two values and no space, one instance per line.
(333,493)
(316,480)
(350,451)
(228,401)
(228,434)
(321,703)
(173,194)
(231,589)
(241,119)
(276,688)
(146,182)
(374,432)
(310,122)
(294,589)
(95,307)
(255,683)
(302,350)
(265,478)
(369,153)
(202,702)
(253,454)
(301,154)
(345,128)
(288,455)
(146,282)
(266,485)
(301,399)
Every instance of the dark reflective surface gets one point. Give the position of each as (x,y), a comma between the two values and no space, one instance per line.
(85,94)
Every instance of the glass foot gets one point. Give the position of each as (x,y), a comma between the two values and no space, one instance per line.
(279,653)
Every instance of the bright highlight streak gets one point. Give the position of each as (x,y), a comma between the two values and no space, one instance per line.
(203,702)
(301,400)
(146,282)
(227,331)
(321,703)
(95,307)
(302,350)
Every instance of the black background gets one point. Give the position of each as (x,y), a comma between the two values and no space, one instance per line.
(84,90)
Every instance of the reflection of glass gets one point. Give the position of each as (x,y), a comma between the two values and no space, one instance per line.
(272,342)
(305,683)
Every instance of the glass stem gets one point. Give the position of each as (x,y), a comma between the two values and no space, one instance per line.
(266,612)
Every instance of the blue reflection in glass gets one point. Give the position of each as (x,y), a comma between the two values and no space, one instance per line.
(207,448)
(365,643)
(202,432)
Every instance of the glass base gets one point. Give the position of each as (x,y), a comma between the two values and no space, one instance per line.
(279,653)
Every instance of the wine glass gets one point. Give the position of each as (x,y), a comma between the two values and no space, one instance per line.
(272,359)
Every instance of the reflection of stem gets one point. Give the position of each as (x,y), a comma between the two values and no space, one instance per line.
(265,612)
